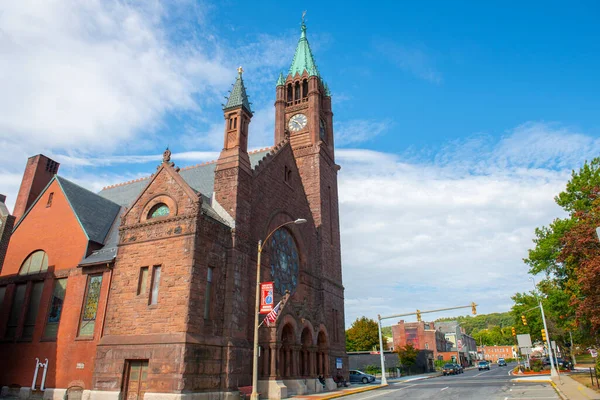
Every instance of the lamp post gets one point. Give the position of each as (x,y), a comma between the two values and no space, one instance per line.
(553,371)
(254,395)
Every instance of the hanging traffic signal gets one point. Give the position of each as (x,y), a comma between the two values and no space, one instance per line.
(474,308)
(544,335)
(524,320)
(418,315)
(514,332)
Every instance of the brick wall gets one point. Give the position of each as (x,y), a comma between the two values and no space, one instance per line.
(39,170)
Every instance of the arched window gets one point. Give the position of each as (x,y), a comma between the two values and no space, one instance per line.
(290,95)
(304,88)
(159,210)
(297,91)
(36,262)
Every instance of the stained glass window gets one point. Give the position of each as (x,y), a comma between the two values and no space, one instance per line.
(159,210)
(90,306)
(284,261)
(35,263)
(155,284)
(56,306)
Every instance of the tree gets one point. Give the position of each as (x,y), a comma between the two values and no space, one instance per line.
(363,335)
(567,252)
(407,355)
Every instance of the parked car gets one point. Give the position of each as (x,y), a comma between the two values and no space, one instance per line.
(359,376)
(483,365)
(501,362)
(449,369)
(459,368)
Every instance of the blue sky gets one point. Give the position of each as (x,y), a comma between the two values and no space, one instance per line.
(456,123)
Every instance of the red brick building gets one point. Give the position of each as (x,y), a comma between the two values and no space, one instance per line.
(493,353)
(146,289)
(422,335)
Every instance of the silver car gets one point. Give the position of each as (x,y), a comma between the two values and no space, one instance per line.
(359,376)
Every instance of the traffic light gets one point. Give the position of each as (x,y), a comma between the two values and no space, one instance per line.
(524,320)
(514,332)
(418,315)
(474,308)
(544,335)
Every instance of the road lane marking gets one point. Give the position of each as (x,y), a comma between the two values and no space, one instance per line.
(444,388)
(481,373)
(388,392)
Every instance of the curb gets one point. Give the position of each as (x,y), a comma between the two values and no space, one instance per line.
(560,393)
(351,392)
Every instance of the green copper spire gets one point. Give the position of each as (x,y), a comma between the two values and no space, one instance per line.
(238,96)
(280,80)
(303,58)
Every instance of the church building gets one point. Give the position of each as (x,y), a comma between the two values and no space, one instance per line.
(146,290)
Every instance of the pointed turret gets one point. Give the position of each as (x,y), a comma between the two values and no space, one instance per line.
(238,96)
(303,58)
(280,80)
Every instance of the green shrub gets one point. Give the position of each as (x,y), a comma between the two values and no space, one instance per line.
(598,366)
(372,369)
(536,365)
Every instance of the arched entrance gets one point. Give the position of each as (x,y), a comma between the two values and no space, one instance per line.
(305,353)
(286,352)
(322,355)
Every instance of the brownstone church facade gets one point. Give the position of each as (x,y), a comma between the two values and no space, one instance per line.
(147,288)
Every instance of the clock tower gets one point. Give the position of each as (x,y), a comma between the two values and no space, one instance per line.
(303,116)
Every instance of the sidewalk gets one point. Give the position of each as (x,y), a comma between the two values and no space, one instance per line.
(358,388)
(573,390)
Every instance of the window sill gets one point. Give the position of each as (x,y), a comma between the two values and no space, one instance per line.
(84,338)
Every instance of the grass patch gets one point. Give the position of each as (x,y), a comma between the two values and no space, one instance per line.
(585,358)
(585,380)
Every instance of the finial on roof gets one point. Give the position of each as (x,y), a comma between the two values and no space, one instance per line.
(303,25)
(240,70)
(167,155)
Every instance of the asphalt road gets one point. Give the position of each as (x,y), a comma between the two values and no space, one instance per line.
(494,384)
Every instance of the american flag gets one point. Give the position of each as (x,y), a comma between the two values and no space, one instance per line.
(272,316)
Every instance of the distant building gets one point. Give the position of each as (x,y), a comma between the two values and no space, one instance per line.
(422,335)
(493,353)
(463,346)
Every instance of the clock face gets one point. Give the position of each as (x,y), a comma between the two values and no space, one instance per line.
(284,261)
(322,131)
(297,122)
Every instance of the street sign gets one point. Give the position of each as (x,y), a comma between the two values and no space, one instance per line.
(266,297)
(524,340)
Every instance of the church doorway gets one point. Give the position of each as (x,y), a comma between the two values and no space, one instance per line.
(322,355)
(136,377)
(306,353)
(286,353)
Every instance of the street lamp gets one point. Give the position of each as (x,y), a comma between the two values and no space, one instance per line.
(553,371)
(254,395)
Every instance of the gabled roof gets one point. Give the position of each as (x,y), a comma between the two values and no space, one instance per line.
(201,178)
(95,213)
(303,58)
(238,96)
(108,253)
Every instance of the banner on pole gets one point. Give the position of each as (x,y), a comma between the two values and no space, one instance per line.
(266,297)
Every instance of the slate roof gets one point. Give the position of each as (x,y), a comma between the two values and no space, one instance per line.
(107,253)
(95,213)
(238,96)
(201,178)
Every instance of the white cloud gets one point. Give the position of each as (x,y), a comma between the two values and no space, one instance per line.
(357,131)
(430,234)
